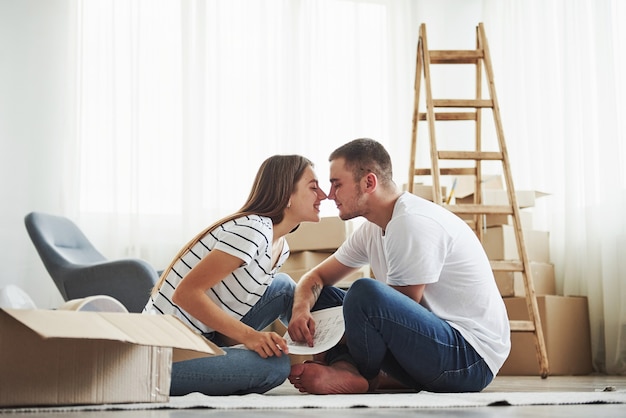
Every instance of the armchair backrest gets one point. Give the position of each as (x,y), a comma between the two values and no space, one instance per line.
(61,245)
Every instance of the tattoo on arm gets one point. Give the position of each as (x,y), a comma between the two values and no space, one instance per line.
(316,289)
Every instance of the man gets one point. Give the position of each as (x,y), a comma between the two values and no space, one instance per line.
(433,318)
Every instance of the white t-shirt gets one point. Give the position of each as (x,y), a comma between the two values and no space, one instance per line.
(247,238)
(425,243)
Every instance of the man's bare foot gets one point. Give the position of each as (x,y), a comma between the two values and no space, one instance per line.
(320,358)
(318,379)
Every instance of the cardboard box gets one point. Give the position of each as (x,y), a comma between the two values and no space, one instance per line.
(464,194)
(565,323)
(57,357)
(328,234)
(511,284)
(305,259)
(465,186)
(500,244)
(425,191)
(525,198)
(525,217)
(493,192)
(302,261)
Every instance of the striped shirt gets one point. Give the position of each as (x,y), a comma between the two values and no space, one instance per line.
(248,238)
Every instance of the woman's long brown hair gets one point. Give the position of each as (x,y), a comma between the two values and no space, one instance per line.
(275,182)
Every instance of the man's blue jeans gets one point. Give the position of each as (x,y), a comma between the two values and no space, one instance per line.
(386,330)
(241,371)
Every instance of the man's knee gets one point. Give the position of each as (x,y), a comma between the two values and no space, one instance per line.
(362,289)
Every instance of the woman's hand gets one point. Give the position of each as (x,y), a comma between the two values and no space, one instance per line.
(266,344)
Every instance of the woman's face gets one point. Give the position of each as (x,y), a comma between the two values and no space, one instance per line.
(305,201)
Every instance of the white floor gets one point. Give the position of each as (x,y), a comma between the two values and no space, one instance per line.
(501,384)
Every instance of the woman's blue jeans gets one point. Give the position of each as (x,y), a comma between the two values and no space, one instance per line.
(388,331)
(241,371)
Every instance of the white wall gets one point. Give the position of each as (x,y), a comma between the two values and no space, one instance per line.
(35,103)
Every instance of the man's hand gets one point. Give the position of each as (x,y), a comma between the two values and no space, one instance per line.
(302,327)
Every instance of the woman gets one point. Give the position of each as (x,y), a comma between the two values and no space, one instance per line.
(224,283)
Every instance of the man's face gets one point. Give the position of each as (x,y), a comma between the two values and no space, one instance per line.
(347,194)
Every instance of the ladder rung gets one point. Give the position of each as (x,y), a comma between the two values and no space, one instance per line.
(469,155)
(456,171)
(462,103)
(526,326)
(451,116)
(473,209)
(506,265)
(455,56)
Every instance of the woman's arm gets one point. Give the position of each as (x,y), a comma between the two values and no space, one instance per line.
(191,296)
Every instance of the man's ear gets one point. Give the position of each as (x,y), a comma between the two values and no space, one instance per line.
(371,182)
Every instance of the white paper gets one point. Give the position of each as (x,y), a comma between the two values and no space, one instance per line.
(329,327)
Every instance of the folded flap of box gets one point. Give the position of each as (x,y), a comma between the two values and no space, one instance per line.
(140,329)
(466,185)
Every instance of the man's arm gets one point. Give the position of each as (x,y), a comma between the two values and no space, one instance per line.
(327,273)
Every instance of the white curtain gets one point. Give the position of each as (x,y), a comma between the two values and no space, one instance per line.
(561,78)
(180,101)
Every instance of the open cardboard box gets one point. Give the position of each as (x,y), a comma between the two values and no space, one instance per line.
(493,192)
(57,357)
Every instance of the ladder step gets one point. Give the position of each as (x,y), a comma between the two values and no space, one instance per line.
(526,326)
(462,103)
(450,116)
(472,209)
(469,155)
(506,265)
(457,171)
(455,56)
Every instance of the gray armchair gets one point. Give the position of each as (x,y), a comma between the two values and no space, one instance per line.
(79,270)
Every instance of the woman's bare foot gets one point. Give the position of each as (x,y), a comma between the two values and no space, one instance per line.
(318,379)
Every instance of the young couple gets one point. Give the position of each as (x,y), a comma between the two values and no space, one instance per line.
(433,318)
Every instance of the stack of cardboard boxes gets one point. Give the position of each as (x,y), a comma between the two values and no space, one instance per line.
(565,319)
(312,243)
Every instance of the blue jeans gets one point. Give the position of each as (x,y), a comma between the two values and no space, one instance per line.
(241,371)
(386,330)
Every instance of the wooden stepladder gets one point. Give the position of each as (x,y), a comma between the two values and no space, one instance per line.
(469,161)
